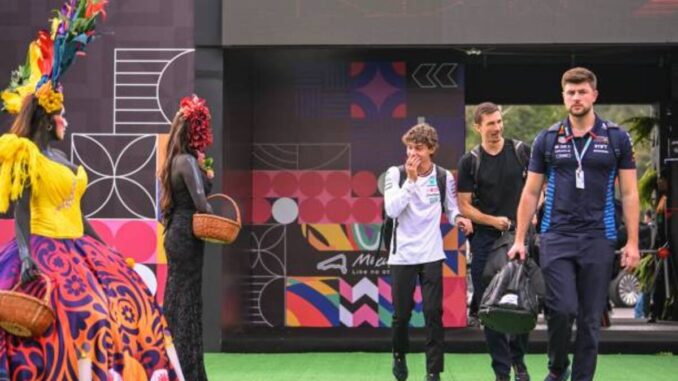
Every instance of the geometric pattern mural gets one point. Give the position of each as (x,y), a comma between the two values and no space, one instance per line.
(312,302)
(122,171)
(316,201)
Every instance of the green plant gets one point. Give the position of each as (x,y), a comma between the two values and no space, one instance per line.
(640,127)
(646,185)
(645,272)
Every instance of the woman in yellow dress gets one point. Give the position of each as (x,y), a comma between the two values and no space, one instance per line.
(107,325)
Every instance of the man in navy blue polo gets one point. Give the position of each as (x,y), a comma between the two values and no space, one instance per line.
(579,159)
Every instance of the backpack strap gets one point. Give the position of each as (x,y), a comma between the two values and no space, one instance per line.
(613,137)
(522,154)
(441,179)
(550,141)
(475,156)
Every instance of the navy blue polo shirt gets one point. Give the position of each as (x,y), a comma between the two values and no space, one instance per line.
(591,210)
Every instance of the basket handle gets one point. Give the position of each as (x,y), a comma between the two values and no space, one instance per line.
(225,197)
(48,287)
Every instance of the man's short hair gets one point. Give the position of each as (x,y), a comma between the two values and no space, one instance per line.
(484,108)
(579,75)
(422,133)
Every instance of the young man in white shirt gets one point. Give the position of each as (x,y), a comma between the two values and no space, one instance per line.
(416,247)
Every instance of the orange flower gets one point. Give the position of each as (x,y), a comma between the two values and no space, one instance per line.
(96,7)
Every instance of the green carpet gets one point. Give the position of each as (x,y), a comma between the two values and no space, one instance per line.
(377,366)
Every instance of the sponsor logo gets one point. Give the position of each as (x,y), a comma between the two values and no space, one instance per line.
(363,264)
(600,140)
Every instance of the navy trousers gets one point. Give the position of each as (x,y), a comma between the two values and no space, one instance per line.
(505,350)
(577,270)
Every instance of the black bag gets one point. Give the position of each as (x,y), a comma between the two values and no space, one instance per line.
(497,259)
(510,303)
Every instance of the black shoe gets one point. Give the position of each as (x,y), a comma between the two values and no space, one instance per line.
(558,377)
(400,368)
(502,378)
(432,377)
(520,372)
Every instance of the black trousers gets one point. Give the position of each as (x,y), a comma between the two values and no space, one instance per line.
(404,279)
(577,271)
(505,350)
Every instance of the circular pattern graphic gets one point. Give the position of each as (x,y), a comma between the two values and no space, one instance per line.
(285,210)
(311,211)
(261,210)
(365,210)
(338,210)
(284,184)
(147,276)
(261,184)
(364,183)
(311,184)
(136,239)
(338,184)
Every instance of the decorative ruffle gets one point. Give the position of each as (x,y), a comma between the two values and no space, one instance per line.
(19,167)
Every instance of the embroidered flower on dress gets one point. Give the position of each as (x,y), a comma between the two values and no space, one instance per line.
(59,263)
(128,314)
(74,285)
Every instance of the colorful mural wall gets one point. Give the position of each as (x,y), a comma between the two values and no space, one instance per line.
(326,126)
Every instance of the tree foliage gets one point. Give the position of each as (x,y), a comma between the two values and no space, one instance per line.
(524,122)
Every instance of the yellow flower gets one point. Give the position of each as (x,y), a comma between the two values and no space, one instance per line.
(12,101)
(50,100)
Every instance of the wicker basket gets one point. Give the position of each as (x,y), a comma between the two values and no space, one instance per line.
(24,315)
(217,229)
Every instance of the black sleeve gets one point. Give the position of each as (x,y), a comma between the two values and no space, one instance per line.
(22,223)
(464,178)
(188,168)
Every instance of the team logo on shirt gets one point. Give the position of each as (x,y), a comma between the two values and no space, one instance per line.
(432,190)
(600,140)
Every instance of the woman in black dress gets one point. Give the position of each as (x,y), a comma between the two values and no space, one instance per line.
(185,181)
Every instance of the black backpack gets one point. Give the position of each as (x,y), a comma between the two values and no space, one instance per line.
(520,149)
(390,225)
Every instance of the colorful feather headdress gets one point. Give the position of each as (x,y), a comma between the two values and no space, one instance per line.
(50,55)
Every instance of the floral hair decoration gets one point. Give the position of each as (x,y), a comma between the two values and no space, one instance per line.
(197,115)
(51,54)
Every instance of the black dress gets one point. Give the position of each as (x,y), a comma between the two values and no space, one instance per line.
(183,292)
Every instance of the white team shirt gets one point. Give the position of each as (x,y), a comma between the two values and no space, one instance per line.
(417,208)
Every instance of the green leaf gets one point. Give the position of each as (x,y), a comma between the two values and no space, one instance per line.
(641,127)
(646,185)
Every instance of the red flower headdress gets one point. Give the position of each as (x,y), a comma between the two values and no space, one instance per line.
(197,115)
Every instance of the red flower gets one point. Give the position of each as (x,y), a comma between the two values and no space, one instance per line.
(198,117)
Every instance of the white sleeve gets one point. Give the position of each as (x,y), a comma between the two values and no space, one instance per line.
(396,198)
(451,206)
